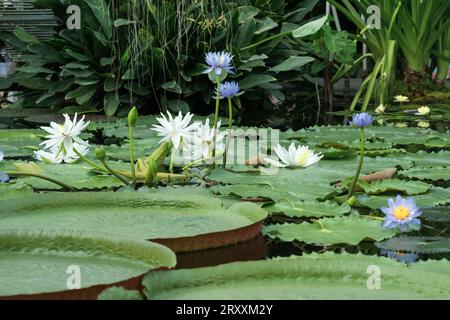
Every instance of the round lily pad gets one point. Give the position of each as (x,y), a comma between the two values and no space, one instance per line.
(73,265)
(183,221)
(314,276)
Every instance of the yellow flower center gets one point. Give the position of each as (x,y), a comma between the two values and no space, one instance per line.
(401,213)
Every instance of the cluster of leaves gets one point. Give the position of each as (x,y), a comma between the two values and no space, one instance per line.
(150,54)
(82,69)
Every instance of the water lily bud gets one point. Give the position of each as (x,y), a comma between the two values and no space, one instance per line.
(132,117)
(100,153)
(351,201)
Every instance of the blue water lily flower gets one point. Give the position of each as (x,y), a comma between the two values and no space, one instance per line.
(362,120)
(401,213)
(228,89)
(3,176)
(218,61)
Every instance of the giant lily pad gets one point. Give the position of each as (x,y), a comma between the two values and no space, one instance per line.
(432,173)
(38,265)
(181,220)
(348,230)
(314,276)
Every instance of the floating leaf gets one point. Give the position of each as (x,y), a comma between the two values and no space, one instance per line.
(314,276)
(14,142)
(349,230)
(434,197)
(416,244)
(433,173)
(37,263)
(182,220)
(396,186)
(308,208)
(441,214)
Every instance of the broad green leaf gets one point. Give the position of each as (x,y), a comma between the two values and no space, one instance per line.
(101,12)
(431,173)
(172,216)
(391,185)
(111,104)
(19,142)
(292,63)
(247,12)
(435,197)
(308,208)
(416,244)
(33,69)
(349,230)
(309,28)
(36,263)
(441,214)
(24,35)
(255,80)
(314,276)
(265,24)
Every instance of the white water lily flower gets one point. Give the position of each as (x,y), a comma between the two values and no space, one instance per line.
(199,145)
(59,157)
(62,137)
(380,109)
(423,111)
(174,129)
(423,124)
(401,98)
(294,157)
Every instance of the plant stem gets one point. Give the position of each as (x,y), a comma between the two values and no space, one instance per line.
(133,172)
(230,114)
(114,173)
(55,181)
(216,120)
(93,164)
(360,164)
(172,159)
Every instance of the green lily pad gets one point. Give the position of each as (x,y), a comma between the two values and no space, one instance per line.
(315,276)
(77,175)
(38,263)
(20,142)
(441,214)
(308,208)
(432,173)
(436,196)
(349,230)
(394,185)
(416,244)
(182,220)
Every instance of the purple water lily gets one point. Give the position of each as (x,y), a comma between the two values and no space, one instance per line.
(401,213)
(361,120)
(228,89)
(218,61)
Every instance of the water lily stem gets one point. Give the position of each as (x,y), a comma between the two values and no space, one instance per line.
(114,173)
(360,164)
(230,126)
(172,159)
(133,172)
(93,164)
(55,181)
(216,119)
